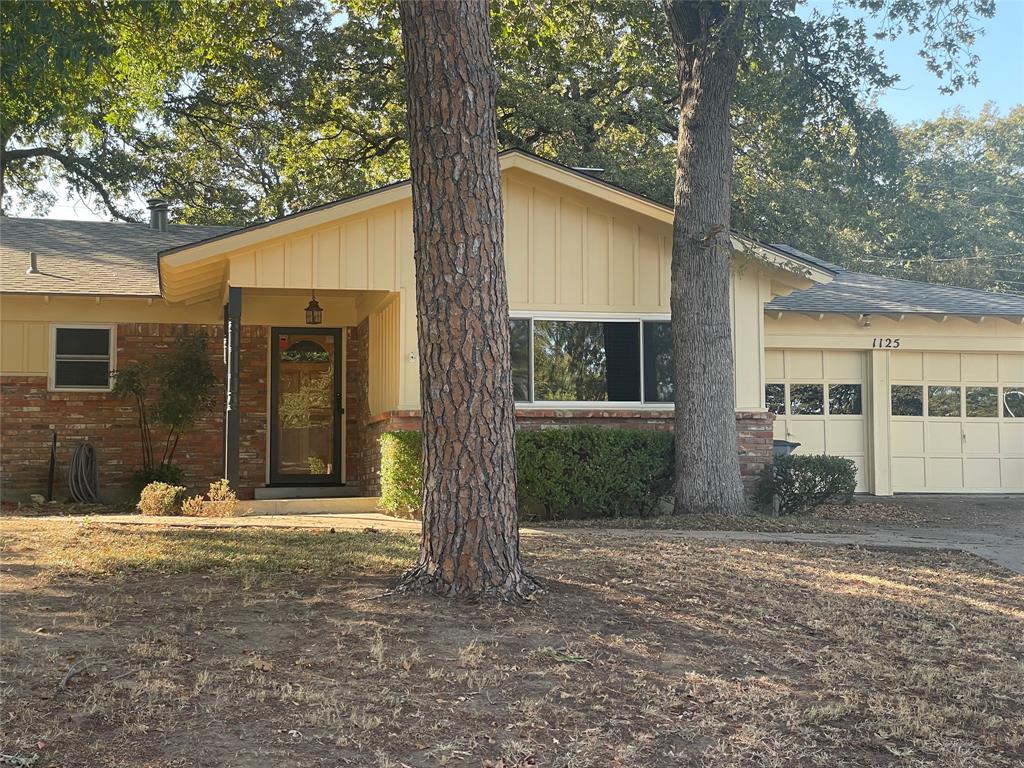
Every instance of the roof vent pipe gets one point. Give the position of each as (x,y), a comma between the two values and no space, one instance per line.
(33,267)
(158,214)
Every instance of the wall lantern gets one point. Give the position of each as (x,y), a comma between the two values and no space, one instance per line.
(314,313)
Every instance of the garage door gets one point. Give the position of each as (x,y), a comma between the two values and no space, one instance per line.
(957,422)
(820,401)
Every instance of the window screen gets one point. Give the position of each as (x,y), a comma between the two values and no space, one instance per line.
(82,358)
(520,353)
(659,375)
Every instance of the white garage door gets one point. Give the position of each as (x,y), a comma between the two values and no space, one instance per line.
(957,422)
(819,400)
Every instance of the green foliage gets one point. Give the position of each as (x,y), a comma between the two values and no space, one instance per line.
(160,499)
(170,474)
(574,472)
(401,472)
(246,111)
(592,471)
(175,390)
(800,483)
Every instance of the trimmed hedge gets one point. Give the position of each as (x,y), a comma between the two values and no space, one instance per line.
(571,472)
(801,483)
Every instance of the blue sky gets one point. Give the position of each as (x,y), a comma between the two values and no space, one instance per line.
(1000,71)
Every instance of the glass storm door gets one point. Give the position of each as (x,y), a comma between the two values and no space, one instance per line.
(306,407)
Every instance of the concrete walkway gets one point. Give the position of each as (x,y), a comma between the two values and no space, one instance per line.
(953,525)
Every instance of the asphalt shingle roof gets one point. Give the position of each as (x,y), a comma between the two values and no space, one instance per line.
(873,294)
(88,257)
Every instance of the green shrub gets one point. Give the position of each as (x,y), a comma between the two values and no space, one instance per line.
(801,483)
(592,471)
(573,472)
(160,499)
(401,472)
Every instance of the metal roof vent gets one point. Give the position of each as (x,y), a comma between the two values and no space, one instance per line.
(33,266)
(158,214)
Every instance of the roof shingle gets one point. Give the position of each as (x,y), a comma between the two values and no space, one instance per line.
(88,257)
(861,293)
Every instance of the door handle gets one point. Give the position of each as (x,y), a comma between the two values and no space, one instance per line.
(337,403)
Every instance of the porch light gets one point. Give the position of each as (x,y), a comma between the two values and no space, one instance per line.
(314,313)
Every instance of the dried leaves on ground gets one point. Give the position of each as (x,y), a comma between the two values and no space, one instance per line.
(278,648)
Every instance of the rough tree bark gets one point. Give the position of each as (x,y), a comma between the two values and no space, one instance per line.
(470,536)
(707,37)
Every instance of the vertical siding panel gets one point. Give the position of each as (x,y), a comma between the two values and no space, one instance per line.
(517,223)
(623,264)
(570,252)
(270,261)
(382,252)
(544,224)
(596,259)
(649,251)
(327,253)
(298,262)
(354,237)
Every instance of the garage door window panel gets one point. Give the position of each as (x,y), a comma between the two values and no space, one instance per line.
(775,398)
(907,400)
(982,402)
(844,400)
(944,401)
(1013,402)
(806,399)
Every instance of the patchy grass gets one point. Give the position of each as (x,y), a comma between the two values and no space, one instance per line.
(763,523)
(277,648)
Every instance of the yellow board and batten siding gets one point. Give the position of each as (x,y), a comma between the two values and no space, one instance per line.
(565,252)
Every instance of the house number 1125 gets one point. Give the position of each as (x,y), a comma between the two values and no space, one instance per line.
(885,343)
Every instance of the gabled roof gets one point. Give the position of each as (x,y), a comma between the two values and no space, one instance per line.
(245,237)
(861,293)
(88,257)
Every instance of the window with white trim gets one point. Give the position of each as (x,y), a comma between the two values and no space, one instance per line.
(591,360)
(83,357)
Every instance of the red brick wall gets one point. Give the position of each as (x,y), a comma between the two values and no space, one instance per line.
(31,413)
(357,403)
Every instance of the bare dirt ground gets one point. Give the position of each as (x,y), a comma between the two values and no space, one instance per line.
(128,646)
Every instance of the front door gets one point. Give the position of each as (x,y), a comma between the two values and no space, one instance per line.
(306,413)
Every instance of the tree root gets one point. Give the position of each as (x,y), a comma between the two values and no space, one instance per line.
(419,580)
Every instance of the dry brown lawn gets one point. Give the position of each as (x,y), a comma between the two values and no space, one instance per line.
(193,647)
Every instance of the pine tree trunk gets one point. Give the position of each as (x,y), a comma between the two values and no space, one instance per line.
(470,542)
(707,41)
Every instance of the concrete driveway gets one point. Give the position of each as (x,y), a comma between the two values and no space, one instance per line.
(987,525)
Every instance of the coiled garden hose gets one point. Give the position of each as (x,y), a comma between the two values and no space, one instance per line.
(83,474)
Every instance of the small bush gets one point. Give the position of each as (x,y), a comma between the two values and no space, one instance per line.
(401,472)
(160,499)
(219,502)
(574,472)
(801,483)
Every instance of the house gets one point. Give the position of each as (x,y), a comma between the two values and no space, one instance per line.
(921,385)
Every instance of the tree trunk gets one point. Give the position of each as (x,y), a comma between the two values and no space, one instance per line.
(470,542)
(707,40)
